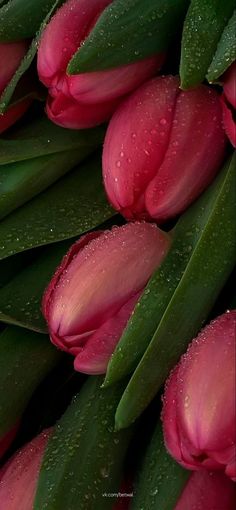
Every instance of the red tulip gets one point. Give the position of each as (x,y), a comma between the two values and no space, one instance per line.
(18,478)
(88,99)
(94,291)
(208,491)
(11,55)
(229,103)
(162,148)
(199,402)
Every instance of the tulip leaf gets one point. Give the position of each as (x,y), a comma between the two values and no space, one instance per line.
(127,31)
(20,19)
(225,54)
(160,480)
(25,360)
(73,205)
(207,233)
(84,456)
(41,137)
(203,26)
(30,55)
(20,300)
(21,181)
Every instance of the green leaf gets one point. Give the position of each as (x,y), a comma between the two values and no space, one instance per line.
(162,286)
(203,26)
(21,181)
(25,360)
(127,31)
(73,205)
(160,480)
(84,457)
(20,299)
(212,258)
(225,54)
(20,19)
(13,22)
(40,137)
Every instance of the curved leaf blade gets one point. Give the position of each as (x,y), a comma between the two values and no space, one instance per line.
(41,137)
(21,372)
(203,27)
(160,480)
(84,456)
(127,31)
(205,275)
(20,19)
(73,205)
(225,54)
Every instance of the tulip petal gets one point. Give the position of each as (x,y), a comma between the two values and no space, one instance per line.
(136,142)
(207,491)
(103,275)
(229,86)
(13,114)
(94,357)
(195,152)
(11,55)
(68,113)
(228,121)
(64,34)
(107,85)
(18,478)
(6,441)
(196,431)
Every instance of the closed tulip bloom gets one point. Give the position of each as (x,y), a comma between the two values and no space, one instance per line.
(11,55)
(163,146)
(208,491)
(199,419)
(87,99)
(229,103)
(19,477)
(93,293)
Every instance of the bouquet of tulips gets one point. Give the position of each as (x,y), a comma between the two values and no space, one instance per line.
(117,255)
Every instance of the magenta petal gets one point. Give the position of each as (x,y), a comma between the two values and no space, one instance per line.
(18,478)
(68,113)
(195,152)
(11,55)
(64,34)
(93,359)
(105,86)
(229,85)
(6,440)
(207,491)
(136,141)
(228,121)
(197,432)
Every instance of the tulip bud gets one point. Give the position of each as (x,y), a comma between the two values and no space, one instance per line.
(163,146)
(207,491)
(199,419)
(11,55)
(229,103)
(85,100)
(94,291)
(18,478)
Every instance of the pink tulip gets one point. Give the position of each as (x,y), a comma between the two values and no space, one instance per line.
(208,491)
(94,291)
(88,99)
(199,402)
(162,148)
(11,55)
(229,103)
(18,478)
